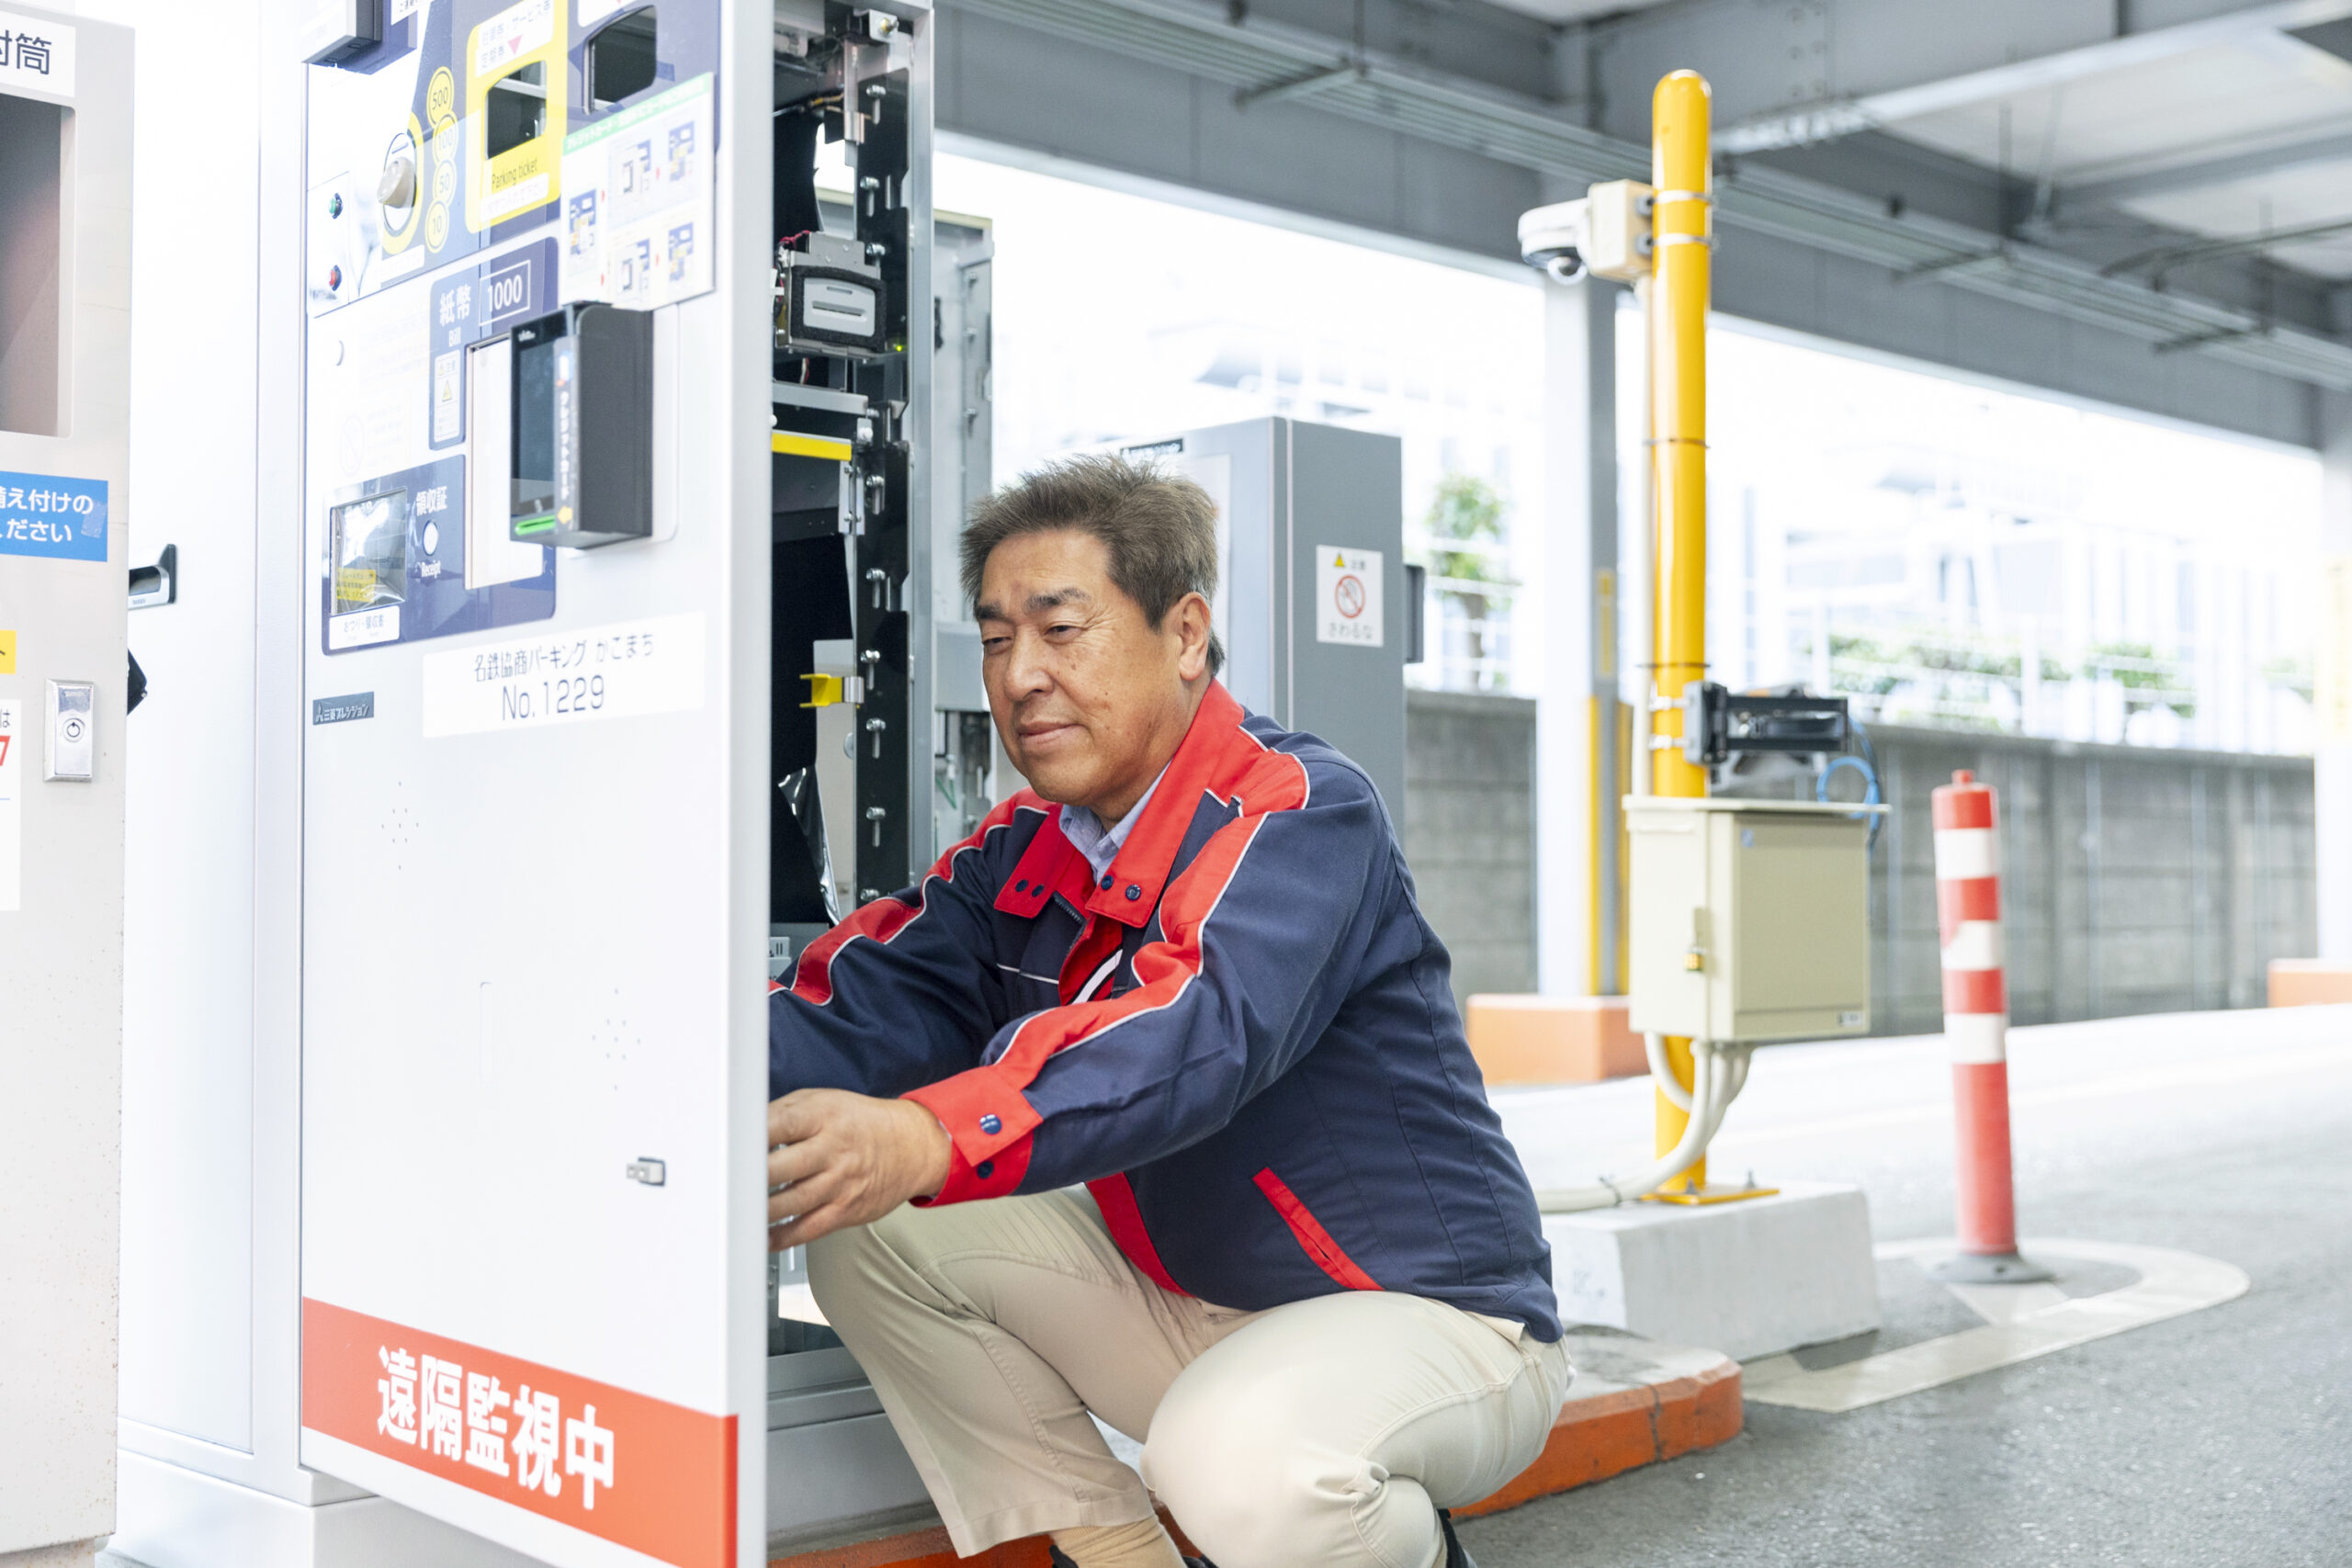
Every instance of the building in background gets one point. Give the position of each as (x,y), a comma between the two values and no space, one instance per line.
(1202,318)
(1959,555)
(1949,552)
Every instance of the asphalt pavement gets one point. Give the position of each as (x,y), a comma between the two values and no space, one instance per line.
(2220,1437)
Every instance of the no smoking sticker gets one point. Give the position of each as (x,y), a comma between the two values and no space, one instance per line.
(1347,595)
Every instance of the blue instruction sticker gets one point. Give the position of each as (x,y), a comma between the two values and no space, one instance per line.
(50,515)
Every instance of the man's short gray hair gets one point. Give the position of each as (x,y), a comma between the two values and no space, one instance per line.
(1159,529)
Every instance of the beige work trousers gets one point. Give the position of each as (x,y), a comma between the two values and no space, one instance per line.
(1325,1432)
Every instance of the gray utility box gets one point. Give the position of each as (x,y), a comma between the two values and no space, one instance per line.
(1312,600)
(1750,918)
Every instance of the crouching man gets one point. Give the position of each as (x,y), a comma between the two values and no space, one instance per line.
(1151,1102)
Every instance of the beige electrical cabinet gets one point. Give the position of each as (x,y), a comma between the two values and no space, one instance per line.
(1751,918)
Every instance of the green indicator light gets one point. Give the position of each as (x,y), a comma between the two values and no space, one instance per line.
(535,524)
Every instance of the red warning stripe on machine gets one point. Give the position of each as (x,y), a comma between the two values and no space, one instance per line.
(641,1473)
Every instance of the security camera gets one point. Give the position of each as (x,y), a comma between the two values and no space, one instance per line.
(1606,234)
(1553,237)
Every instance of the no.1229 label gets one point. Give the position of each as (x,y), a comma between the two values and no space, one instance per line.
(566,677)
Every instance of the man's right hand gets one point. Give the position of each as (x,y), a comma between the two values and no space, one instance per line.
(844,1159)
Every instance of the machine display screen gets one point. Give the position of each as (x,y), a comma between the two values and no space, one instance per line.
(370,540)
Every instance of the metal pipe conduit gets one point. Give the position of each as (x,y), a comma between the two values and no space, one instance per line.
(1720,1072)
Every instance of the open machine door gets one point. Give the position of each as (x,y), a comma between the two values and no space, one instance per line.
(535,885)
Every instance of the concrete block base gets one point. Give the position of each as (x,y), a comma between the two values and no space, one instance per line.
(1522,1039)
(1748,1279)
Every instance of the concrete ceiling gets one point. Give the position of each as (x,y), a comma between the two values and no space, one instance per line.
(2168,172)
(2234,140)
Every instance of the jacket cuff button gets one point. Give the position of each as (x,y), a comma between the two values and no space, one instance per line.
(991,1125)
(984,1170)
(1134,892)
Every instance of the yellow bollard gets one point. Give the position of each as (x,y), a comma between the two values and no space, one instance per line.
(1683,226)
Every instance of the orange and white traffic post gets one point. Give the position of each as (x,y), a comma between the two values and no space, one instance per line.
(1976,1028)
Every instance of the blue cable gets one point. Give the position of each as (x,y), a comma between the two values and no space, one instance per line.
(1869,789)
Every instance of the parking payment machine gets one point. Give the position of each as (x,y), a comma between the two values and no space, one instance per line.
(606,431)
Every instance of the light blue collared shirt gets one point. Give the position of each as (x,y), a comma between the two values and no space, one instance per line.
(1099,844)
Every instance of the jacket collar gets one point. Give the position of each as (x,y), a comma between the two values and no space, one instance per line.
(1050,864)
(1206,759)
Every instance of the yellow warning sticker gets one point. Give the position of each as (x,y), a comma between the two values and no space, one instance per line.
(7,653)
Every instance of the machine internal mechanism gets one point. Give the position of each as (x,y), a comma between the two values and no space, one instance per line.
(845,470)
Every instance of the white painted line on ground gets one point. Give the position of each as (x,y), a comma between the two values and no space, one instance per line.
(2170,1284)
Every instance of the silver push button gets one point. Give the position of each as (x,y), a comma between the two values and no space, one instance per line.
(73,732)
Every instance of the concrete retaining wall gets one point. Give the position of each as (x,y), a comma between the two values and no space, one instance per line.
(2134,880)
(1469,831)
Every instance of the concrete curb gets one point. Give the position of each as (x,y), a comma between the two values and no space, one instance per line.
(1634,1403)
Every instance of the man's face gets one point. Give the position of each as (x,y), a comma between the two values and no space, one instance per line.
(1089,698)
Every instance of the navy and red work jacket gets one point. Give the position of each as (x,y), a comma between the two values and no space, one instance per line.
(1242,1039)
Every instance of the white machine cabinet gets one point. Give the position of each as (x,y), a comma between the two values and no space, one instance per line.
(1751,918)
(536,771)
(65,549)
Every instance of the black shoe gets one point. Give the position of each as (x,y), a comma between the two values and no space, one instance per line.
(1456,1556)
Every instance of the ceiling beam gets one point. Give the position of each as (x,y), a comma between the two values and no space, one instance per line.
(1470,39)
(1186,36)
(2113,190)
(1796,75)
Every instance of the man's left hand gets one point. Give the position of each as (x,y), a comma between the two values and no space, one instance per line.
(844,1159)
